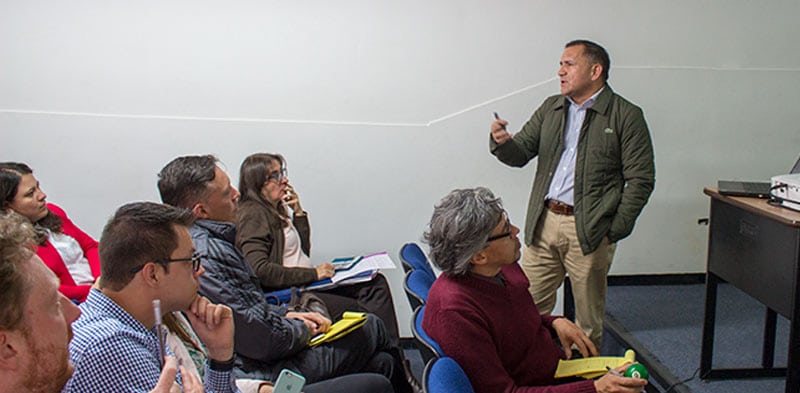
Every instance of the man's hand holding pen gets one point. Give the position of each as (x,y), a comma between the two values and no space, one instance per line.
(498,130)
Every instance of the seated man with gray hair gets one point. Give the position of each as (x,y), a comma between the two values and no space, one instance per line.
(481,313)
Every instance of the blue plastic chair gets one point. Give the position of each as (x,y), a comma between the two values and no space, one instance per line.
(429,348)
(417,284)
(445,375)
(413,258)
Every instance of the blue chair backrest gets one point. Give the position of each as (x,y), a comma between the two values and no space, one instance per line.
(413,258)
(417,284)
(423,338)
(445,375)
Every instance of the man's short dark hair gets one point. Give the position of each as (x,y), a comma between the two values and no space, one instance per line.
(16,240)
(139,232)
(184,181)
(595,53)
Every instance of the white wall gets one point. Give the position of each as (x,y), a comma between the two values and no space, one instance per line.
(383,107)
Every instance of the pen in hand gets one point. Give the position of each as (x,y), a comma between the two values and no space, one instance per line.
(159,331)
(497,117)
(613,372)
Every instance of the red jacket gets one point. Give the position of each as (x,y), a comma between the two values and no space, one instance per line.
(53,260)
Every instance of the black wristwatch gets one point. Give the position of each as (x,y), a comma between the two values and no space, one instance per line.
(216,365)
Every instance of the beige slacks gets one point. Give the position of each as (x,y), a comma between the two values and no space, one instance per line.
(556,251)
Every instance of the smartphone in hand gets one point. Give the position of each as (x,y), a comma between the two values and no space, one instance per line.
(289,382)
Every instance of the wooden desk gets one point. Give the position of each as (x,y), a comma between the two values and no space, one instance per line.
(755,247)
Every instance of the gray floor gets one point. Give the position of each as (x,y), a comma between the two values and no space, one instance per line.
(667,321)
(417,364)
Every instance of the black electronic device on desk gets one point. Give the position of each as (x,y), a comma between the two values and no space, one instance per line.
(744,188)
(752,189)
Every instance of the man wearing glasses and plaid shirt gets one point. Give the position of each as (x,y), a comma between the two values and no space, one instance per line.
(147,254)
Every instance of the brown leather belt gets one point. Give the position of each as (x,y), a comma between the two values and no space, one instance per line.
(559,207)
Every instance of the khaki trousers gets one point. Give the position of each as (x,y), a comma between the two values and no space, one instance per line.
(556,251)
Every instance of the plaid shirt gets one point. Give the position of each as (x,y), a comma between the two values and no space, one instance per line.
(113,352)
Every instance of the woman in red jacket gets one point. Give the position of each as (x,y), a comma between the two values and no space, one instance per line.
(64,248)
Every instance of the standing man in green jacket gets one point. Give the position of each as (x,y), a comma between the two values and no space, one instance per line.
(594,175)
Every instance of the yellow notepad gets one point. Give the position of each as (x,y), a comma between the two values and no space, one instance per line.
(592,367)
(350,321)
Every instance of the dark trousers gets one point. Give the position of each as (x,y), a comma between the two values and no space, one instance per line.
(360,383)
(364,350)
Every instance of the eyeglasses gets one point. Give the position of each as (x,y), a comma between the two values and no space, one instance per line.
(195,259)
(278,176)
(507,233)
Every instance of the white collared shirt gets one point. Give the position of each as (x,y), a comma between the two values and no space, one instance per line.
(72,255)
(562,186)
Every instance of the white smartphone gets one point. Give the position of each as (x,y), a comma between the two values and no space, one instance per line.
(289,382)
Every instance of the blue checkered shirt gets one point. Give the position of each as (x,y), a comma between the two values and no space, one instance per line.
(113,352)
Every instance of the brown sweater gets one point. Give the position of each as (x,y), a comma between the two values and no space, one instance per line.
(261,244)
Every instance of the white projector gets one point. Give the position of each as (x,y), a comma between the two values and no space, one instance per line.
(787,189)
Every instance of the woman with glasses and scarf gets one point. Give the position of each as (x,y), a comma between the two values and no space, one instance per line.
(64,248)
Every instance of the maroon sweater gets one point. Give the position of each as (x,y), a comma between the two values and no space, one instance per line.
(496,334)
